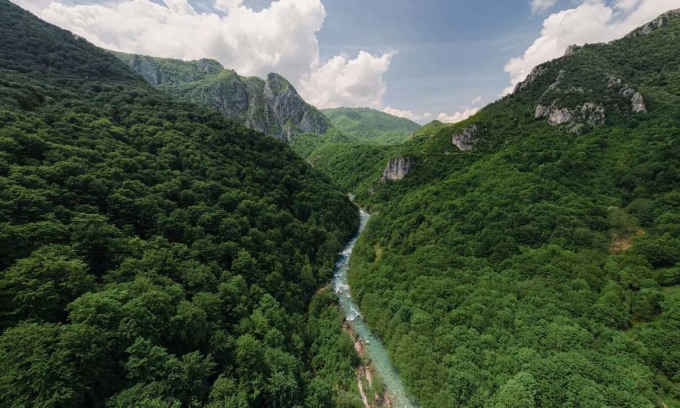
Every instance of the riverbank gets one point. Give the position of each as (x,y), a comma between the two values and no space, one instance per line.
(368,346)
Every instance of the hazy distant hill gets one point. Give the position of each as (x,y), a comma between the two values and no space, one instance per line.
(372,125)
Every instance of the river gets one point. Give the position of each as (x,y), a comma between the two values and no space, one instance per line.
(372,345)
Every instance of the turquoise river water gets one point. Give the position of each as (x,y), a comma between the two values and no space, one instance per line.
(372,345)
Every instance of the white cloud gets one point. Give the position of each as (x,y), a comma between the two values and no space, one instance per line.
(348,82)
(408,114)
(539,6)
(458,116)
(464,113)
(280,38)
(591,21)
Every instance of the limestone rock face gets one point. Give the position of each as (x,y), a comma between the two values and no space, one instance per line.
(638,103)
(147,68)
(589,113)
(466,139)
(560,116)
(397,168)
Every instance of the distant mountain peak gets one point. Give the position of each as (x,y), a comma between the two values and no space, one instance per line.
(272,105)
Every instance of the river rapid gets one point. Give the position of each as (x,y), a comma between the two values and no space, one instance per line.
(373,347)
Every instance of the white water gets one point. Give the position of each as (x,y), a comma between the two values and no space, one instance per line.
(372,345)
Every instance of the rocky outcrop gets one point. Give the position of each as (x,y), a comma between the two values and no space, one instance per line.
(397,168)
(270,105)
(287,107)
(159,71)
(656,23)
(466,139)
(571,50)
(147,68)
(637,101)
(589,113)
(535,73)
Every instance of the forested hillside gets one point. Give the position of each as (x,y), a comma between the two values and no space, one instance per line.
(152,253)
(530,256)
(371,125)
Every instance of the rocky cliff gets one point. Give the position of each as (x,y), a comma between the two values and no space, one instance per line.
(576,98)
(270,105)
(466,139)
(397,168)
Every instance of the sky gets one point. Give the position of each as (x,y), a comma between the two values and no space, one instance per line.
(419,59)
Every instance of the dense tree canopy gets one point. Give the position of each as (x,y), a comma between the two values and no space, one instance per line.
(152,253)
(541,268)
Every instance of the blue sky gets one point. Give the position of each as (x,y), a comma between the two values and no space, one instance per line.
(427,59)
(450,52)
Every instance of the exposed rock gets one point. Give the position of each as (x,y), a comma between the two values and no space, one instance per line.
(638,103)
(571,50)
(271,106)
(613,82)
(592,114)
(656,23)
(465,140)
(535,73)
(556,116)
(636,100)
(288,107)
(559,116)
(589,113)
(397,168)
(556,85)
(147,68)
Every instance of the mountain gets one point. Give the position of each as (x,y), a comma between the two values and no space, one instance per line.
(371,125)
(152,252)
(530,256)
(356,132)
(271,106)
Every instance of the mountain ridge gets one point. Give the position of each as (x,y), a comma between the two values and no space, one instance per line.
(154,253)
(530,255)
(270,105)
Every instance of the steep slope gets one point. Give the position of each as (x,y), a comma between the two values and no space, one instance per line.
(271,106)
(531,255)
(371,125)
(153,253)
(360,137)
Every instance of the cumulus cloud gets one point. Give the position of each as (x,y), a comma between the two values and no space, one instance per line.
(539,6)
(348,82)
(591,21)
(462,114)
(458,116)
(408,114)
(280,38)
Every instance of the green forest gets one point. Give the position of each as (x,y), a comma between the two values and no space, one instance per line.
(370,125)
(157,253)
(153,253)
(540,268)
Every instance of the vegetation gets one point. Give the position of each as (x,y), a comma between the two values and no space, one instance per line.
(371,125)
(354,151)
(152,253)
(271,106)
(542,268)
